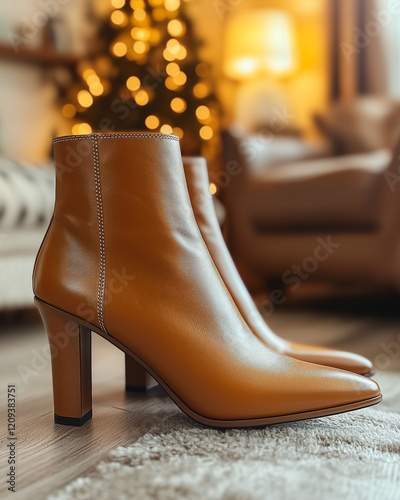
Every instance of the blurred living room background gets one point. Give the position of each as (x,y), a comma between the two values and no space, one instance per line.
(295,106)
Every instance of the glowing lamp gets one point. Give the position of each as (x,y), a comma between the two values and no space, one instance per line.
(260,42)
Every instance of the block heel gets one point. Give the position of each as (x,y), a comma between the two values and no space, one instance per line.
(136,377)
(70,346)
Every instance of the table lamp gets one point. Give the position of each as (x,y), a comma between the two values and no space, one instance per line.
(260,51)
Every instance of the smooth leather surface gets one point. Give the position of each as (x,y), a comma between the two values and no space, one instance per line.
(71,252)
(172,309)
(198,185)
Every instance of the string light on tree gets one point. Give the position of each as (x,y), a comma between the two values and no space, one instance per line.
(206,132)
(96,88)
(170,83)
(120,49)
(133,83)
(182,53)
(178,131)
(176,27)
(137,4)
(117,4)
(200,90)
(172,5)
(84,98)
(81,129)
(69,110)
(142,97)
(152,122)
(180,78)
(146,74)
(140,47)
(92,79)
(87,73)
(178,105)
(139,14)
(173,69)
(141,34)
(203,113)
(166,129)
(213,188)
(119,18)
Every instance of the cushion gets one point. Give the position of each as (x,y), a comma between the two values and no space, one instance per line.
(337,194)
(263,152)
(364,124)
(26,195)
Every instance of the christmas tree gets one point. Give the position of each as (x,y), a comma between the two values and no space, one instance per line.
(146,74)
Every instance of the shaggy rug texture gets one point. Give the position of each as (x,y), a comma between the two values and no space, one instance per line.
(350,456)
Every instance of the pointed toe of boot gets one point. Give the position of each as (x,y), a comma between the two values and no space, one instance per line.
(331,391)
(352,388)
(331,357)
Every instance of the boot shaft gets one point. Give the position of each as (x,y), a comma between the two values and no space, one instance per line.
(128,179)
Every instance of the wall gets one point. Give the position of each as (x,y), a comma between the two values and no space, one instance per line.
(28,117)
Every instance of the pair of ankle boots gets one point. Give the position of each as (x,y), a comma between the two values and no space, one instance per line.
(134,253)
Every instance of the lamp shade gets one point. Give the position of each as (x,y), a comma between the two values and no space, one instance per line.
(259,41)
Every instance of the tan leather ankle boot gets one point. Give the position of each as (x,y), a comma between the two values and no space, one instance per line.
(198,186)
(124,258)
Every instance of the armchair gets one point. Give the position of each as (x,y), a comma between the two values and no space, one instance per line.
(334,219)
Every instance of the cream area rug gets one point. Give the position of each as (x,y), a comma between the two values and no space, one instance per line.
(350,456)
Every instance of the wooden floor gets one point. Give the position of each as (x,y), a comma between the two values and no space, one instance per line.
(50,455)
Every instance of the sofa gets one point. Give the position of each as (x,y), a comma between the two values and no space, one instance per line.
(26,205)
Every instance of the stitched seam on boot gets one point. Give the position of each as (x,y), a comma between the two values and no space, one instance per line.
(115,136)
(99,204)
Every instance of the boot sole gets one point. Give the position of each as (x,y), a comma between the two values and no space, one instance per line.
(256,422)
